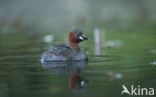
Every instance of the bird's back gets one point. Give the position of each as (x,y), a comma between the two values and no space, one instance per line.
(57,53)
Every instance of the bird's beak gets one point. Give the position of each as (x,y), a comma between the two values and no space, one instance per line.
(83,37)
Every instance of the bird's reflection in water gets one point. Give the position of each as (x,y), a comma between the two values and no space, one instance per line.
(73,69)
(77,83)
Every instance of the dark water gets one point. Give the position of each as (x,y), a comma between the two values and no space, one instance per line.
(23,75)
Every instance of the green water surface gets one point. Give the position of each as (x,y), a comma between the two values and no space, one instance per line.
(132,63)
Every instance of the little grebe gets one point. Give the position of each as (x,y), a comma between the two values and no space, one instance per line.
(66,53)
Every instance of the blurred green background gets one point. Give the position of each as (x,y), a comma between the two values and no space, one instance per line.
(62,15)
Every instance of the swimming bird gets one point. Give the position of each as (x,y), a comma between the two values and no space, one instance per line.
(67,53)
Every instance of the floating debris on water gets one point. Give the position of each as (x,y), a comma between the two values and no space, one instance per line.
(118,75)
(113,76)
(48,38)
(153,63)
(113,44)
(153,52)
